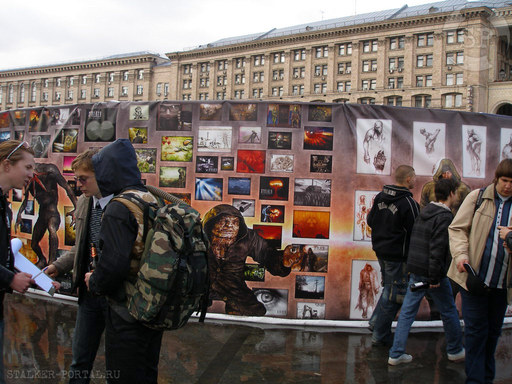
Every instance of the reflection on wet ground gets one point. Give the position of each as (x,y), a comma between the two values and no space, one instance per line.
(38,336)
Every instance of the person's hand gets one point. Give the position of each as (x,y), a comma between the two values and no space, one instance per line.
(86,279)
(52,271)
(21,282)
(460,264)
(504,231)
(56,284)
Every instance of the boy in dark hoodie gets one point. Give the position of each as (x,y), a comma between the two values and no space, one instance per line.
(428,261)
(132,350)
(391,219)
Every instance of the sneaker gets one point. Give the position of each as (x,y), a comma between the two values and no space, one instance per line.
(405,358)
(457,357)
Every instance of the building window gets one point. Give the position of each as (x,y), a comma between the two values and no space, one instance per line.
(111,77)
(321,70)
(33,92)
(97,78)
(239,94)
(58,82)
(396,64)
(57,96)
(278,57)
(425,40)
(204,67)
(456,36)
(278,74)
(257,93)
(299,72)
(222,65)
(320,88)
(321,52)
(299,55)
(140,74)
(277,91)
(343,86)
(96,93)
(369,65)
(345,49)
(258,60)
(71,81)
(204,96)
(453,100)
(159,89)
(366,100)
(187,84)
(222,80)
(166,89)
(110,92)
(240,78)
(1,95)
(367,84)
(239,62)
(187,96)
(221,95)
(45,83)
(298,89)
(422,101)
(370,46)
(204,82)
(399,82)
(258,77)
(44,97)
(70,94)
(395,82)
(455,58)
(391,83)
(397,43)
(126,76)
(394,100)
(424,61)
(83,94)
(344,67)
(140,90)
(424,81)
(22,93)
(454,79)
(124,91)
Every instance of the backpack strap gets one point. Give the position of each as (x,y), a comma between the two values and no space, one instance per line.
(479,199)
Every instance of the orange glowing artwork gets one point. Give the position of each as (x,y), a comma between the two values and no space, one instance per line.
(272,233)
(251,161)
(274,188)
(319,138)
(5,121)
(311,224)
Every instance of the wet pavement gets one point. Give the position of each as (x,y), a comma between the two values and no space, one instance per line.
(37,349)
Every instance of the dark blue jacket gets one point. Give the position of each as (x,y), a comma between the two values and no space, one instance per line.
(429,250)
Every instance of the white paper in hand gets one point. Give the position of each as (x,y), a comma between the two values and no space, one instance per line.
(22,264)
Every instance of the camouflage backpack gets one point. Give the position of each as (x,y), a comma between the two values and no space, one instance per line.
(172,279)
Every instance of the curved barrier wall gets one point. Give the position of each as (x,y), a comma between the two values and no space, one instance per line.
(302,174)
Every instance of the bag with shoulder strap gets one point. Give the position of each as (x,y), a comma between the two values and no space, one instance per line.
(172,282)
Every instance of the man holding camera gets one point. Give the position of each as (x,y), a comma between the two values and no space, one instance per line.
(427,262)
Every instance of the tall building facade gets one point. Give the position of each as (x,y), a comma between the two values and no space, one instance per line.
(454,54)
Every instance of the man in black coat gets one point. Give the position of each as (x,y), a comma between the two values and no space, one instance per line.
(391,219)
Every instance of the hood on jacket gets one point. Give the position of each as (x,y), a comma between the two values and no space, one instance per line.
(116,167)
(444,165)
(392,193)
(219,211)
(433,209)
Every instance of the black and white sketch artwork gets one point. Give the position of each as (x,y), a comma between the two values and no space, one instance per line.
(429,146)
(474,142)
(374,146)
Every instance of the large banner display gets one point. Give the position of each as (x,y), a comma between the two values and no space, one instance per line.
(301,176)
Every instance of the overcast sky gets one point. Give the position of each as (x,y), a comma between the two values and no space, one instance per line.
(40,32)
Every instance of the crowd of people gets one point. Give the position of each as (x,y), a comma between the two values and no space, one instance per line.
(457,238)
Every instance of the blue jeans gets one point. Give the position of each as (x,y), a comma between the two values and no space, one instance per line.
(394,276)
(443,299)
(2,373)
(483,319)
(89,326)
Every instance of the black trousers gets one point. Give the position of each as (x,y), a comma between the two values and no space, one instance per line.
(132,351)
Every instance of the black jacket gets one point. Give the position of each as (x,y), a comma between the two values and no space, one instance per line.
(6,259)
(391,219)
(116,170)
(429,250)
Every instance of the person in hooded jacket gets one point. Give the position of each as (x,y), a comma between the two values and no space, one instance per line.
(230,244)
(132,350)
(391,219)
(428,261)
